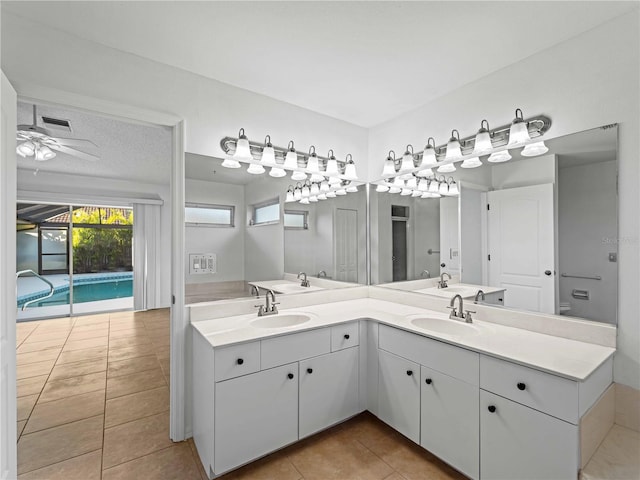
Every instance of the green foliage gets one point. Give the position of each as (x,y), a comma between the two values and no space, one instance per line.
(97,249)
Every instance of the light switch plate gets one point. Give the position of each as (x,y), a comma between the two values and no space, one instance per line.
(202,263)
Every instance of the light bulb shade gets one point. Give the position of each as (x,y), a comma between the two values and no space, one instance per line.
(352,188)
(230,163)
(277,172)
(322,196)
(382,188)
(427,172)
(313,199)
(350,171)
(407,160)
(534,149)
(453,189)
(454,152)
(324,186)
(289,198)
(443,189)
(26,149)
(429,156)
(423,186)
(315,189)
(298,176)
(434,186)
(297,194)
(334,180)
(394,189)
(305,201)
(255,169)
(482,144)
(316,177)
(431,195)
(499,157)
(268,156)
(416,193)
(243,151)
(312,163)
(291,159)
(390,164)
(398,182)
(332,166)
(306,191)
(447,168)
(331,194)
(518,132)
(473,162)
(406,191)
(341,191)
(412,183)
(44,153)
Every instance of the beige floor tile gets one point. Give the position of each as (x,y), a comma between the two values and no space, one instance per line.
(128,342)
(137,405)
(68,387)
(83,467)
(115,326)
(160,342)
(617,458)
(92,319)
(173,463)
(395,476)
(40,449)
(25,405)
(34,369)
(273,467)
(68,370)
(31,385)
(26,327)
(86,343)
(132,365)
(20,425)
(136,382)
(88,334)
(165,364)
(56,335)
(135,439)
(196,458)
(163,352)
(116,354)
(128,332)
(39,356)
(82,355)
(66,410)
(331,457)
(27,346)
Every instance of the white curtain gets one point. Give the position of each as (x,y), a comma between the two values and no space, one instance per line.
(146,256)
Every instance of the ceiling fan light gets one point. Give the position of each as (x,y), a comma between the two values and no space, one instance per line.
(519,131)
(243,151)
(255,169)
(44,153)
(26,149)
(277,172)
(447,168)
(473,162)
(298,176)
(534,149)
(499,157)
(382,188)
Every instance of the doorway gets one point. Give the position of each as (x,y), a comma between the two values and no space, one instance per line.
(399,218)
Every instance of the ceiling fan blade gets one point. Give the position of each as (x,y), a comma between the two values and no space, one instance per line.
(75,153)
(74,142)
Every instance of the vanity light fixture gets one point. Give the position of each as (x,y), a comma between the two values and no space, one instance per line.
(534,149)
(331,194)
(412,183)
(352,188)
(322,196)
(394,189)
(423,186)
(482,144)
(447,168)
(289,198)
(429,158)
(312,163)
(291,158)
(306,191)
(499,157)
(390,164)
(315,189)
(334,181)
(341,192)
(297,193)
(324,186)
(454,150)
(299,176)
(313,199)
(398,182)
(231,163)
(453,187)
(443,188)
(425,173)
(350,168)
(407,160)
(406,191)
(275,172)
(332,164)
(305,200)
(257,169)
(268,153)
(434,186)
(381,188)
(243,151)
(519,131)
(473,162)
(416,193)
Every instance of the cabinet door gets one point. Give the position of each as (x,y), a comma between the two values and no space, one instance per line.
(518,442)
(399,394)
(255,415)
(449,423)
(328,390)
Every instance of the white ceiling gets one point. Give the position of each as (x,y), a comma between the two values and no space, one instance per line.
(362,62)
(127,150)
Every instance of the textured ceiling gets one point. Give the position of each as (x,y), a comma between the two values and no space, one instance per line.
(127,150)
(363,62)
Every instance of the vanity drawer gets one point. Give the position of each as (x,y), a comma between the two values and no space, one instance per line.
(345,336)
(236,360)
(547,393)
(454,361)
(297,346)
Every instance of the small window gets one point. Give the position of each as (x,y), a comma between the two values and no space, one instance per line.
(209,215)
(296,220)
(266,213)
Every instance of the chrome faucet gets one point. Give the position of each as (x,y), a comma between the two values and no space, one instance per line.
(479,296)
(322,273)
(254,290)
(428,275)
(443,283)
(304,282)
(270,307)
(459,314)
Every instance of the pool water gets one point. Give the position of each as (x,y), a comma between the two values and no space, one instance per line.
(89,292)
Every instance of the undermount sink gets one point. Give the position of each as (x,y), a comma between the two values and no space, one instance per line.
(455,289)
(292,288)
(449,327)
(281,320)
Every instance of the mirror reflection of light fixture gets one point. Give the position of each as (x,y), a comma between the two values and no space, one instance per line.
(351,188)
(313,199)
(434,186)
(382,188)
(390,164)
(453,187)
(394,189)
(243,151)
(454,152)
(407,160)
(306,191)
(534,149)
(322,196)
(425,173)
(423,186)
(350,168)
(298,176)
(297,193)
(499,157)
(312,164)
(291,158)
(416,193)
(268,153)
(412,182)
(447,168)
(334,180)
(277,172)
(482,144)
(230,163)
(398,182)
(406,191)
(305,200)
(341,192)
(443,189)
(315,189)
(324,186)
(519,131)
(473,162)
(256,169)
(331,194)
(332,164)
(289,198)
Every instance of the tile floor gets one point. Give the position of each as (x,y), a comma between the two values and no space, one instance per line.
(93,403)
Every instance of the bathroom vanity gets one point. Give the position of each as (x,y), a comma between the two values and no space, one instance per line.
(492,401)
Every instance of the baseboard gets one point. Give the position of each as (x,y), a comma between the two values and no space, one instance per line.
(596,423)
(627,407)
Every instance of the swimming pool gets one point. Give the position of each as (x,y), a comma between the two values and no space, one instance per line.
(86,292)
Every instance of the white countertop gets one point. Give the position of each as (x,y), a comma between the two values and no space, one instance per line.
(284,286)
(465,290)
(560,356)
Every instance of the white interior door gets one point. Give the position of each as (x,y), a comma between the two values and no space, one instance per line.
(449,248)
(8,107)
(346,245)
(521,246)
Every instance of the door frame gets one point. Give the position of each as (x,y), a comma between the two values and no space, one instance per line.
(179,321)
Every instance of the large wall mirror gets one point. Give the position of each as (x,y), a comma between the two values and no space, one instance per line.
(534,233)
(240,224)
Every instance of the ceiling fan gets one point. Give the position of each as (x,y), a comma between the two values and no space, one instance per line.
(35,141)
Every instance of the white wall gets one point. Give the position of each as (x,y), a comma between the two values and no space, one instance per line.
(585,82)
(226,243)
(587,219)
(89,187)
(524,173)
